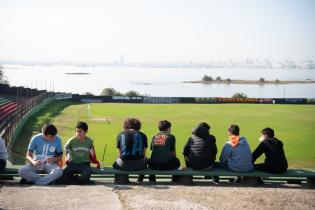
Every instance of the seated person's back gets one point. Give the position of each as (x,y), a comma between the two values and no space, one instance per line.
(275,161)
(200,150)
(236,154)
(163,156)
(131,144)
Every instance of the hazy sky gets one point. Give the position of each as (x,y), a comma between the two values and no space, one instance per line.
(156,31)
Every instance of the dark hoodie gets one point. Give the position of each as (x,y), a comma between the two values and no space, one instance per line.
(275,161)
(200,149)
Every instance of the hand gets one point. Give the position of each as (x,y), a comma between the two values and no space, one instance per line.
(50,160)
(36,162)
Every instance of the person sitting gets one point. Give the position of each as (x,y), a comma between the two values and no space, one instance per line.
(200,150)
(44,155)
(163,155)
(3,155)
(131,145)
(275,161)
(79,150)
(236,154)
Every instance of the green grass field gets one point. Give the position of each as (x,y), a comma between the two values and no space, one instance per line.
(293,124)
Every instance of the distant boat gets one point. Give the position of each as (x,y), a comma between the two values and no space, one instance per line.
(78,73)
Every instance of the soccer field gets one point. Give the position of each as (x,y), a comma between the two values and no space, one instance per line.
(293,124)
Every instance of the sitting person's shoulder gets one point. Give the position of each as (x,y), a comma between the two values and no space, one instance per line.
(72,139)
(88,139)
(170,135)
(37,137)
(142,134)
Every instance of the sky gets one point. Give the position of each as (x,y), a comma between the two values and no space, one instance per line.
(156,31)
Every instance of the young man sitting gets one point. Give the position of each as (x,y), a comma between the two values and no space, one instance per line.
(200,150)
(275,161)
(163,156)
(44,153)
(3,155)
(236,154)
(131,145)
(79,150)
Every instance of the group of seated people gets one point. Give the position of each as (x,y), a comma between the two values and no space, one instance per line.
(45,153)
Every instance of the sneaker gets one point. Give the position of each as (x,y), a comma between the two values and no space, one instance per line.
(175,179)
(215,180)
(140,178)
(152,178)
(91,182)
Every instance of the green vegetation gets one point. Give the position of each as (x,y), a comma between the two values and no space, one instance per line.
(113,92)
(207,78)
(293,124)
(2,77)
(239,95)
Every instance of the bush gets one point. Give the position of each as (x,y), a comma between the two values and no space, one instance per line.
(261,80)
(132,93)
(2,77)
(218,79)
(228,80)
(88,94)
(277,81)
(110,92)
(207,78)
(239,95)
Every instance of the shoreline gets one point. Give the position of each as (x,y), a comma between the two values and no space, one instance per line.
(252,82)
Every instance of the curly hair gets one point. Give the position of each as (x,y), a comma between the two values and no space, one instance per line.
(132,123)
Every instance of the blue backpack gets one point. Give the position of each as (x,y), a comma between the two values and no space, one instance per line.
(131,144)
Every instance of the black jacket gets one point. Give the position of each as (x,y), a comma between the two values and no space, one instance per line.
(200,149)
(275,161)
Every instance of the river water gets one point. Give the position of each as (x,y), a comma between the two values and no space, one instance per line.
(161,81)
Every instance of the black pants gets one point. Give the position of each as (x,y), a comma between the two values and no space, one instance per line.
(263,167)
(3,164)
(171,164)
(76,174)
(198,165)
(130,165)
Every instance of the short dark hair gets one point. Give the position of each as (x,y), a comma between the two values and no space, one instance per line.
(268,132)
(49,129)
(234,129)
(132,123)
(205,125)
(82,125)
(164,125)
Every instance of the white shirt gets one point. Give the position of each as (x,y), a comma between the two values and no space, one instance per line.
(3,150)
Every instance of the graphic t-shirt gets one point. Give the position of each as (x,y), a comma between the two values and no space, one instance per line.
(43,149)
(79,151)
(162,145)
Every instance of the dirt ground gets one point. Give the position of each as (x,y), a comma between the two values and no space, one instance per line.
(109,196)
(216,197)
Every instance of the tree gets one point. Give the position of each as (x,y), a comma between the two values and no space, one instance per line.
(218,79)
(2,77)
(110,92)
(228,80)
(239,95)
(261,80)
(132,93)
(277,80)
(88,94)
(207,78)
